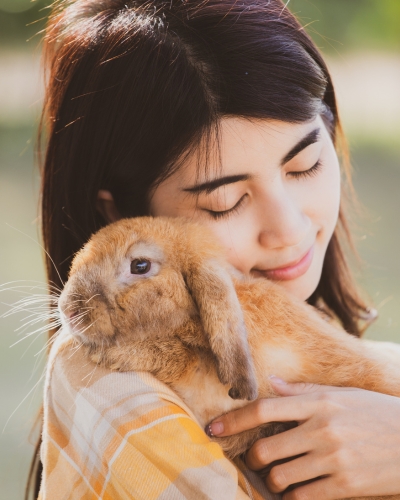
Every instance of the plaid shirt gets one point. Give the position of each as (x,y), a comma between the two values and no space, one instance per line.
(111,435)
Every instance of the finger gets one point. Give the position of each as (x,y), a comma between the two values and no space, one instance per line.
(321,488)
(298,470)
(261,411)
(287,389)
(285,445)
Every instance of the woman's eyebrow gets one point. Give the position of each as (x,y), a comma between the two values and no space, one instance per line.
(210,186)
(309,139)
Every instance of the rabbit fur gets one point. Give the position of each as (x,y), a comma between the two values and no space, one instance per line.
(213,335)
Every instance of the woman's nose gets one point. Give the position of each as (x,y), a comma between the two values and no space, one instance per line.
(283,222)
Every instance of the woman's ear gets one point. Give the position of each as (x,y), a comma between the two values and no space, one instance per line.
(106,206)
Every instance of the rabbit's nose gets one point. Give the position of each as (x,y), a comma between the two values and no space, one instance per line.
(72,315)
(72,318)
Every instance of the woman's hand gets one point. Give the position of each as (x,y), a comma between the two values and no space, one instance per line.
(348,439)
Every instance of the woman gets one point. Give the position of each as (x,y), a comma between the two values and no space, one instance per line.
(225,112)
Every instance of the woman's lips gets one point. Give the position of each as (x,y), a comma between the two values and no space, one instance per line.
(289,272)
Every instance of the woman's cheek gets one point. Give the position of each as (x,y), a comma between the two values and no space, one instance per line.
(236,236)
(321,202)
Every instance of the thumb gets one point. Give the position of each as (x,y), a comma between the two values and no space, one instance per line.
(283,388)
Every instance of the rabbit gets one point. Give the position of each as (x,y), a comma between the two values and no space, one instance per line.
(157,295)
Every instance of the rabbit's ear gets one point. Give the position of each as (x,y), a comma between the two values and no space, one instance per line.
(213,291)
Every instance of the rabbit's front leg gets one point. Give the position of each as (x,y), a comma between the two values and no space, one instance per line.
(166,359)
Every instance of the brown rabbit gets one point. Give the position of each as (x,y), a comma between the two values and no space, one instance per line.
(156,294)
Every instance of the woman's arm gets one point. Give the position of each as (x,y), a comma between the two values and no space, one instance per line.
(113,435)
(348,438)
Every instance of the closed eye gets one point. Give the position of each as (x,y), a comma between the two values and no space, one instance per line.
(226,213)
(311,172)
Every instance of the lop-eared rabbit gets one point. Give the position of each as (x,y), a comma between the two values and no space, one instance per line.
(157,295)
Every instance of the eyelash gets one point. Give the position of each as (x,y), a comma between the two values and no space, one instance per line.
(227,213)
(307,173)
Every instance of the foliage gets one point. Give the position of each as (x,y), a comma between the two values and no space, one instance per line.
(340,25)
(21,21)
(336,25)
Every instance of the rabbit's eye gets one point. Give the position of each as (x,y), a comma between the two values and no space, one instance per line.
(140,266)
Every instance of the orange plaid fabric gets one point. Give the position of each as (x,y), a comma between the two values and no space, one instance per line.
(111,435)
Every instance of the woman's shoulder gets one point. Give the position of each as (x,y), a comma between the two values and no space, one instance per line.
(127,435)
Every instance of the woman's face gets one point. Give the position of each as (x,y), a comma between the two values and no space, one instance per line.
(272,199)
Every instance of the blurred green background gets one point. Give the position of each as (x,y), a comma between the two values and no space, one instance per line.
(361,40)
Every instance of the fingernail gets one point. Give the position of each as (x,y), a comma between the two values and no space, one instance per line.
(214,429)
(277,380)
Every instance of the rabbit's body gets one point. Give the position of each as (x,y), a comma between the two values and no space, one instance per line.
(287,338)
(213,336)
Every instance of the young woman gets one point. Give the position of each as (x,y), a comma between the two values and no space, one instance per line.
(224,112)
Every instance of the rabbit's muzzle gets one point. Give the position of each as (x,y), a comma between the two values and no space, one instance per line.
(87,318)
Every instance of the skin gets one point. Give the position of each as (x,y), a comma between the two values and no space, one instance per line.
(277,223)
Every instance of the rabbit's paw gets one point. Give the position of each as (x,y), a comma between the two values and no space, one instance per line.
(238,372)
(244,389)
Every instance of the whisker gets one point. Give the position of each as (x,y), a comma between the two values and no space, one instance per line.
(32,342)
(38,330)
(43,285)
(42,247)
(24,399)
(39,359)
(96,295)
(83,331)
(27,349)
(37,306)
(76,348)
(44,348)
(90,375)
(78,317)
(33,318)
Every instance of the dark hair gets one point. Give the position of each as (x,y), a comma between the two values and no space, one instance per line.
(134,86)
